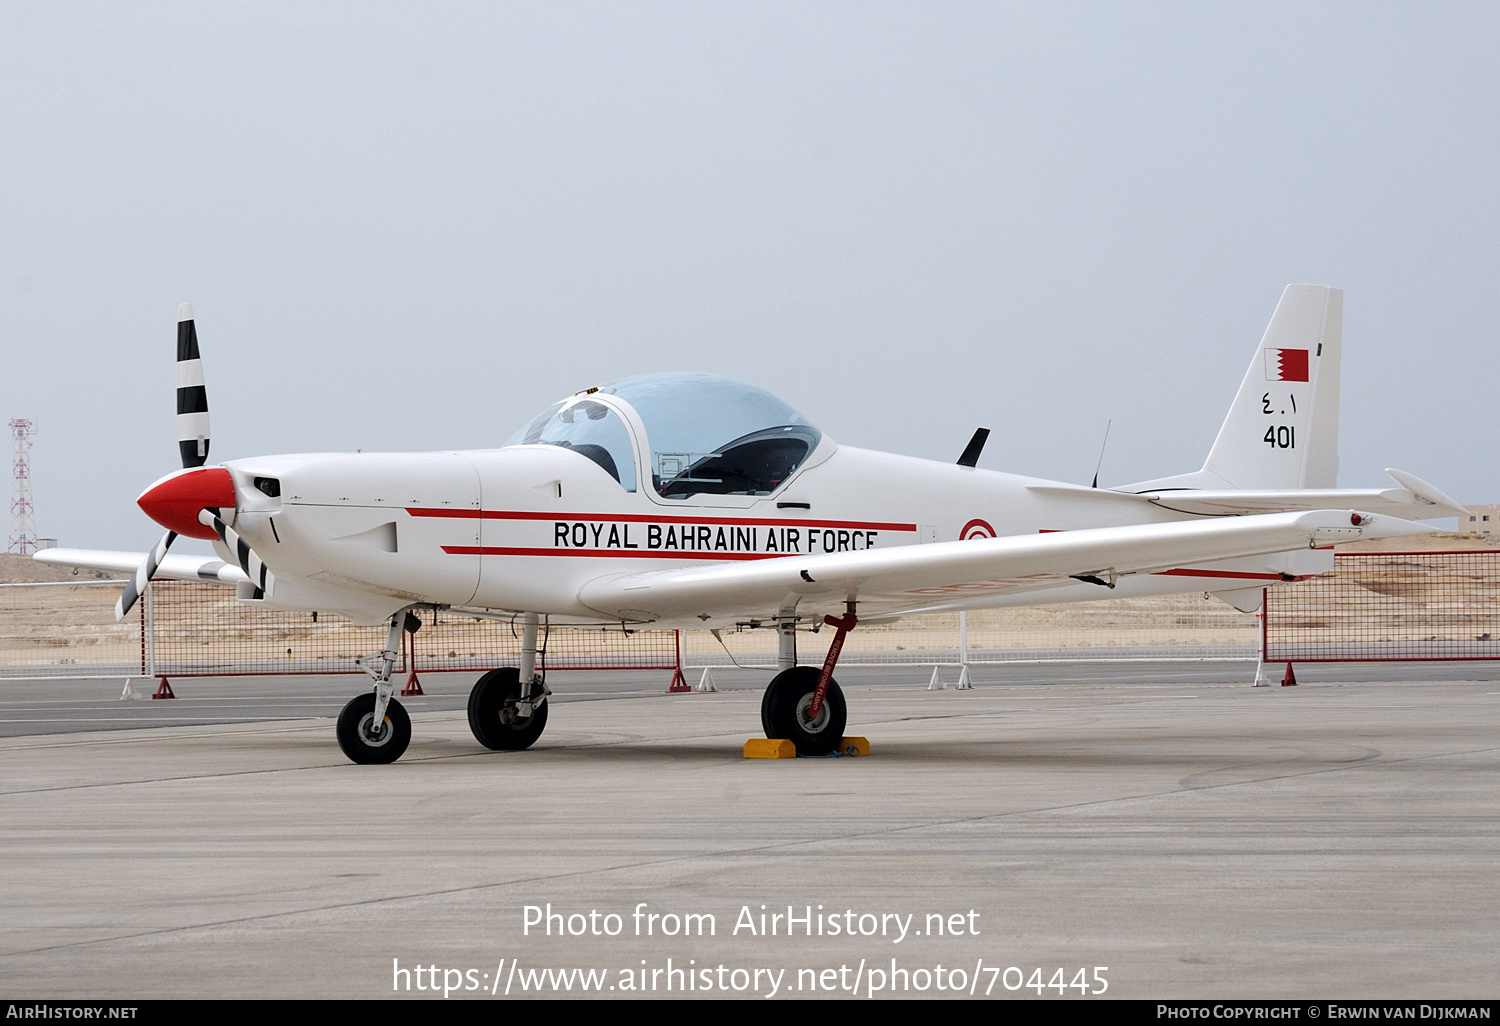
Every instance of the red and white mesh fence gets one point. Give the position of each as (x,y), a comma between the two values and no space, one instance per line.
(1389,606)
(201,631)
(1376,605)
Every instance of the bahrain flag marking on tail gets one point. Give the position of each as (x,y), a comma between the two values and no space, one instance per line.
(1286,364)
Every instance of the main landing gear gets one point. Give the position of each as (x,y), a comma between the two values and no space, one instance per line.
(504,715)
(803,704)
(501,718)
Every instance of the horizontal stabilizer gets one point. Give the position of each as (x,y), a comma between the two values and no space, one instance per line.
(1414,500)
(1424,492)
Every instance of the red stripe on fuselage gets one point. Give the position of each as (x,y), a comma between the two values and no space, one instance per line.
(647,518)
(669,554)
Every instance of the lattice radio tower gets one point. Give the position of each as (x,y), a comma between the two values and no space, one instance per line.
(22,512)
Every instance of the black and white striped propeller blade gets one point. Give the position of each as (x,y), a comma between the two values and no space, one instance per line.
(243,554)
(192,398)
(136,586)
(192,443)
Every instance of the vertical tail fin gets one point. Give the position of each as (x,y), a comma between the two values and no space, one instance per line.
(1283,428)
(1282,431)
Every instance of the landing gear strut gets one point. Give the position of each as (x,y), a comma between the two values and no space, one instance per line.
(504,715)
(806,706)
(373,728)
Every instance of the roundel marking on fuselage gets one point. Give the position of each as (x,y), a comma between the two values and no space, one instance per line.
(976,528)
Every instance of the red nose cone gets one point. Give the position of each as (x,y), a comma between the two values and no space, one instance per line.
(174,501)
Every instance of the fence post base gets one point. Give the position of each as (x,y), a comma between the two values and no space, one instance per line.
(679,685)
(409,650)
(163,690)
(706,683)
(1289,679)
(936,683)
(1263,679)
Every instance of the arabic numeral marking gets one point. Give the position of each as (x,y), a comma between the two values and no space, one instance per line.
(1281,437)
(1081,981)
(1036,981)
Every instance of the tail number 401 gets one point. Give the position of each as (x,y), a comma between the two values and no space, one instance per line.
(1281,437)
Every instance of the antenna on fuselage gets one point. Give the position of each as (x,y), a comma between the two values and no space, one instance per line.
(974,448)
(1101,453)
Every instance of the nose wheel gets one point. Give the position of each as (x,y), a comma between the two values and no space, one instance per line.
(366,742)
(786,711)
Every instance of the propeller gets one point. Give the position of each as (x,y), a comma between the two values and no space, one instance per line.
(192,397)
(243,553)
(174,501)
(136,586)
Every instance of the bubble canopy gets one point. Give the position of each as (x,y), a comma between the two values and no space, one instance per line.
(706,434)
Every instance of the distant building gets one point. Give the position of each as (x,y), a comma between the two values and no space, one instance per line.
(1481,520)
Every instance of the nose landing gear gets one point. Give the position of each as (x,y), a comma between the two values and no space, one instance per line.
(373,728)
(366,744)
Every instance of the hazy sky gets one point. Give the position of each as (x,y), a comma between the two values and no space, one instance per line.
(410,226)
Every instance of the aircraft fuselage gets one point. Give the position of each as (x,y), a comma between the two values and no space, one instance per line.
(527,527)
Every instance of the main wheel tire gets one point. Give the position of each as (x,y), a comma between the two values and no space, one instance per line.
(365,745)
(783,711)
(487,713)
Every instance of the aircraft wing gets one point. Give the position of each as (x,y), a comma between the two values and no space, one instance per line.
(172,568)
(965,573)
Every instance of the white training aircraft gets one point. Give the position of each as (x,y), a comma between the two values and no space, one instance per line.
(700,501)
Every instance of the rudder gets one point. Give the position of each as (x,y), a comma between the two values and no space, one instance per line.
(1282,429)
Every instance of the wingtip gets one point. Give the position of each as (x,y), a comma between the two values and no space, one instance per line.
(184,312)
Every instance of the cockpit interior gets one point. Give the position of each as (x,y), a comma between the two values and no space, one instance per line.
(706,434)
